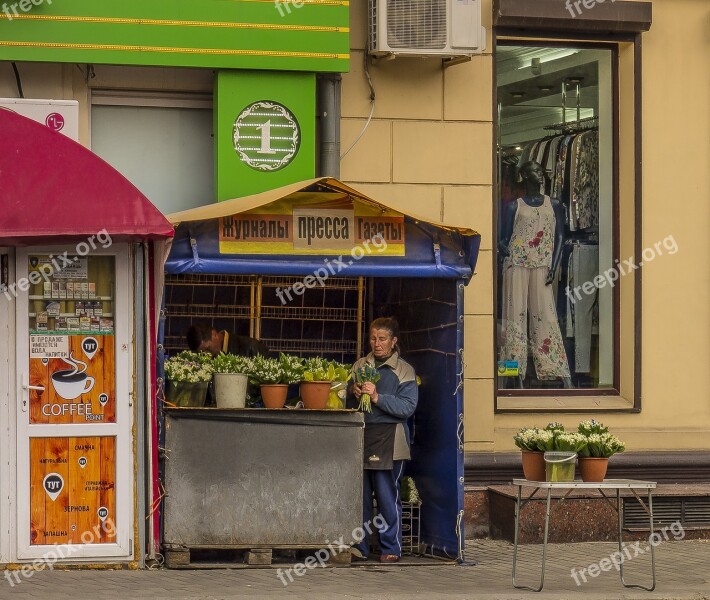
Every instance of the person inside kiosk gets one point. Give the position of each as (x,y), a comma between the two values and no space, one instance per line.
(386,448)
(205,338)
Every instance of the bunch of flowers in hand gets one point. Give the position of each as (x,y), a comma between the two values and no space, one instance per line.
(363,375)
(285,369)
(190,367)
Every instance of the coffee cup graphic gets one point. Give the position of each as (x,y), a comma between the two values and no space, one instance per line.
(72,383)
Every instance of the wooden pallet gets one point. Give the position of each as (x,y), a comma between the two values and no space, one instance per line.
(241,558)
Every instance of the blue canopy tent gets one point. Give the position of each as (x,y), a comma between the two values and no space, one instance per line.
(416,271)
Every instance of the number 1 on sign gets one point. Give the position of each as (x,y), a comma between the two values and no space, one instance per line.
(265,139)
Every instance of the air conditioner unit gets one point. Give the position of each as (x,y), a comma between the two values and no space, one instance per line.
(446,28)
(58,115)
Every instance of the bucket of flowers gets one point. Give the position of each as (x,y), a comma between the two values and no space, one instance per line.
(188,377)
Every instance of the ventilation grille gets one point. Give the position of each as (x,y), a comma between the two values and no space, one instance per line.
(418,24)
(372,9)
(691,511)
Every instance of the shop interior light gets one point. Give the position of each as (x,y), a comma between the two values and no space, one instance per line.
(549,56)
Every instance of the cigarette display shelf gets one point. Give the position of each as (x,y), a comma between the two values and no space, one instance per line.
(73,314)
(72,299)
(71,332)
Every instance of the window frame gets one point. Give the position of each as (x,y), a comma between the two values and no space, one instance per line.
(615,398)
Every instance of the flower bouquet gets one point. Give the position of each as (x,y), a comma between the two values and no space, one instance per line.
(188,375)
(363,375)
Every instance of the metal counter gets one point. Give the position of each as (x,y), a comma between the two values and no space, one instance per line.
(245,478)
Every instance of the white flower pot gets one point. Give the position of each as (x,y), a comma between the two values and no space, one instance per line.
(230,390)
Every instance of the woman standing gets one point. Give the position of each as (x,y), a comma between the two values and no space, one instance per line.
(393,401)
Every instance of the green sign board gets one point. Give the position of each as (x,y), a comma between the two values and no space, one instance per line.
(307,35)
(264,130)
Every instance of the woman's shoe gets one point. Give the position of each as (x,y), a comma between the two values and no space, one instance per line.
(389,558)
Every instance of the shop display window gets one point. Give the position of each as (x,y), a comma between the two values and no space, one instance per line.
(556,326)
(75,298)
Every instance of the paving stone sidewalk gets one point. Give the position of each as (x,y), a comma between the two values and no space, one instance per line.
(683,572)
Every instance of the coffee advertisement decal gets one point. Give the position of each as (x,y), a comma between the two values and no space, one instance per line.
(72,490)
(74,375)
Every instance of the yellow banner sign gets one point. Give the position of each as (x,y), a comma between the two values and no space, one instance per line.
(311,226)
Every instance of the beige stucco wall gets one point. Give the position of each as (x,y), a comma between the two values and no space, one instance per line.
(428,149)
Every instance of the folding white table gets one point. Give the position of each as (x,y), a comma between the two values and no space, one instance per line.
(607,484)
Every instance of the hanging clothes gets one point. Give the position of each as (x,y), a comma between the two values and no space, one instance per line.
(585,194)
(583,268)
(571,163)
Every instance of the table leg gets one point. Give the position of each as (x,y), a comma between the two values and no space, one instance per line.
(653,548)
(544,543)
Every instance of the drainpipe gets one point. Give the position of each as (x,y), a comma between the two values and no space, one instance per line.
(329,120)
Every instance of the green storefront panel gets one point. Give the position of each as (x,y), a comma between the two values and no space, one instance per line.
(264,130)
(312,35)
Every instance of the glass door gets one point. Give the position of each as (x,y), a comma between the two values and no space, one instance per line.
(74,403)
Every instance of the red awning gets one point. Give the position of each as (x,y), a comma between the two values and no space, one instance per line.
(54,190)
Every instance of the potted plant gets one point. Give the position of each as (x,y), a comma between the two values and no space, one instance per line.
(188,376)
(528,439)
(534,442)
(599,446)
(230,380)
(318,377)
(273,375)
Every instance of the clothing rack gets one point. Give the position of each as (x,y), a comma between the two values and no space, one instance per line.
(588,124)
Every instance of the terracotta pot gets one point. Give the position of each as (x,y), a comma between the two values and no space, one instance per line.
(274,394)
(533,465)
(593,469)
(315,393)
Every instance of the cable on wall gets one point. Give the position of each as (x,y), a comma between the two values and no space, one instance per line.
(372,106)
(17,79)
